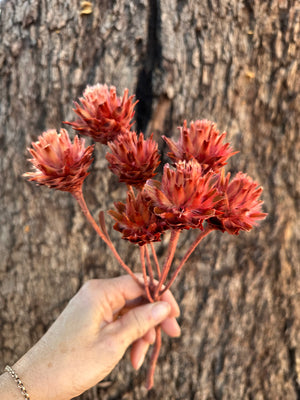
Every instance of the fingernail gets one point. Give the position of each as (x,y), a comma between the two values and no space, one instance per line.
(160,310)
(177,312)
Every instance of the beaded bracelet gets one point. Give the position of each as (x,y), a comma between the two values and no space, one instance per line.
(18,381)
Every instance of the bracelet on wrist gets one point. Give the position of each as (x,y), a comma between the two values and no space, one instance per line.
(18,381)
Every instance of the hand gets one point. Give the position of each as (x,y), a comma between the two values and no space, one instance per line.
(88,339)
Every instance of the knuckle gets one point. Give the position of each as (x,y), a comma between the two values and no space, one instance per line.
(90,289)
(91,285)
(139,323)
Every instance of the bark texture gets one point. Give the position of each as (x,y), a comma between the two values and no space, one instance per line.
(235,62)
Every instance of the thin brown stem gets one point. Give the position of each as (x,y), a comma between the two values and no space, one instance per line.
(155,259)
(146,283)
(171,251)
(80,199)
(154,358)
(187,255)
(150,270)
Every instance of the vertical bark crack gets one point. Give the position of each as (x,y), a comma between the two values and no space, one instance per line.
(292,361)
(152,60)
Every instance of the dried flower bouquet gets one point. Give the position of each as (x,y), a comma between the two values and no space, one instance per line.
(194,191)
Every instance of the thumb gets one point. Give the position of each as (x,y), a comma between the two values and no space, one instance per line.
(137,322)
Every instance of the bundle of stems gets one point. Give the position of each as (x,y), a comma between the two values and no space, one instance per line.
(155,278)
(194,193)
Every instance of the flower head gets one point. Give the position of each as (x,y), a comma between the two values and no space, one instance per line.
(202,142)
(133,159)
(58,163)
(103,115)
(136,220)
(185,197)
(242,208)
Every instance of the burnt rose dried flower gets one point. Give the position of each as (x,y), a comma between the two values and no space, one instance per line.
(194,193)
(185,197)
(102,115)
(136,220)
(133,159)
(242,207)
(203,142)
(58,163)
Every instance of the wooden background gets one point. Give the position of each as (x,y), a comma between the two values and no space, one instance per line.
(235,62)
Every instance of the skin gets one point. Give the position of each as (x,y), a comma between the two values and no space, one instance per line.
(89,338)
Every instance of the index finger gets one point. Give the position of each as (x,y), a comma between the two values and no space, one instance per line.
(123,290)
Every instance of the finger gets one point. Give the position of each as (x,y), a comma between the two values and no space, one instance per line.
(150,336)
(111,295)
(124,290)
(130,290)
(138,352)
(168,297)
(140,347)
(170,327)
(137,322)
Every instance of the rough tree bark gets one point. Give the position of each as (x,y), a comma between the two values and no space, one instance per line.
(235,62)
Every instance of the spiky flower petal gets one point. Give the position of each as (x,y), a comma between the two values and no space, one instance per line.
(185,197)
(202,142)
(133,159)
(242,207)
(136,220)
(102,115)
(58,163)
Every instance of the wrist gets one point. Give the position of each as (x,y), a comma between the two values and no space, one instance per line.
(31,370)
(42,374)
(9,388)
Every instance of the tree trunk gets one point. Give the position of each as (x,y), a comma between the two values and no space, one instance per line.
(234,62)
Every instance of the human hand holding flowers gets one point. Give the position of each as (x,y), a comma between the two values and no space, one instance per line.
(90,337)
(194,193)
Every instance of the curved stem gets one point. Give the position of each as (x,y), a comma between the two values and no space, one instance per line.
(193,246)
(146,283)
(155,259)
(150,270)
(80,200)
(171,251)
(154,358)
